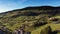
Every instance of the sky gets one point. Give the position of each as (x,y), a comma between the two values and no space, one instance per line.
(8,5)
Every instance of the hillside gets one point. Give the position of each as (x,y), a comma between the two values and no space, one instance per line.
(33,18)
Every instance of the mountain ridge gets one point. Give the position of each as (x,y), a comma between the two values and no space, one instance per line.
(36,7)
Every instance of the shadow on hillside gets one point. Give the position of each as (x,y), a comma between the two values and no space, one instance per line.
(40,24)
(55,32)
(25,14)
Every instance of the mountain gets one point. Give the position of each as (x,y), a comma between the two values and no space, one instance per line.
(33,17)
(33,11)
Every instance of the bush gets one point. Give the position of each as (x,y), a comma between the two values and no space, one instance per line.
(46,30)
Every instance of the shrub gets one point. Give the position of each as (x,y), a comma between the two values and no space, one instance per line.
(46,30)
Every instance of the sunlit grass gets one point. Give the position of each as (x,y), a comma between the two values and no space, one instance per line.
(53,27)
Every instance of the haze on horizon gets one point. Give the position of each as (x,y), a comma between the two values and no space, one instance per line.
(7,5)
